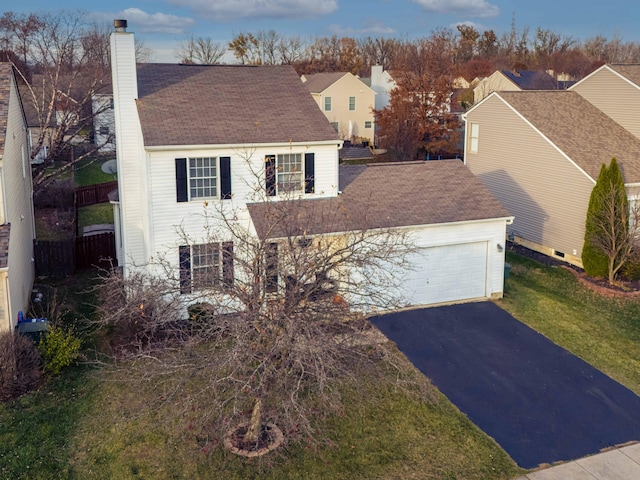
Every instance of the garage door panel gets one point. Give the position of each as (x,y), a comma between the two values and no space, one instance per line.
(448,273)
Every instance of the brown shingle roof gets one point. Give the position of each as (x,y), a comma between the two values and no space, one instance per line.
(383,196)
(631,71)
(226,104)
(5,91)
(319,82)
(584,133)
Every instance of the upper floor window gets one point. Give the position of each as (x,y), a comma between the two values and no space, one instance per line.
(352,103)
(203,177)
(290,173)
(327,104)
(474,136)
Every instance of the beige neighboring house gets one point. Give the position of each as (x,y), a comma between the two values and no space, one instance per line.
(510,81)
(614,89)
(540,153)
(347,102)
(17,224)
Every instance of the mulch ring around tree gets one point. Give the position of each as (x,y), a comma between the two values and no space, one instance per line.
(600,285)
(270,438)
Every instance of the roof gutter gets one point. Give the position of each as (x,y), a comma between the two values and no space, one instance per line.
(238,146)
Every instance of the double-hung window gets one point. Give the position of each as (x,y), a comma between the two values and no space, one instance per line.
(290,173)
(205,265)
(327,104)
(203,177)
(474,136)
(352,103)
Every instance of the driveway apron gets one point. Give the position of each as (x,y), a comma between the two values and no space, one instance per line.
(541,403)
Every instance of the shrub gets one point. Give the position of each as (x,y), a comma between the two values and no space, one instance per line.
(60,348)
(20,365)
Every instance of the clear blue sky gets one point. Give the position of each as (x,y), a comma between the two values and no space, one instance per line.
(161,24)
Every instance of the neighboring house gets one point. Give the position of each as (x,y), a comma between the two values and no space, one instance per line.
(382,83)
(505,80)
(540,153)
(17,224)
(347,102)
(230,137)
(614,89)
(103,122)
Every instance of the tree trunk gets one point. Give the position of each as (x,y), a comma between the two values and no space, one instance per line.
(253,432)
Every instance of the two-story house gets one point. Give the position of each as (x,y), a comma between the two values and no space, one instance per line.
(347,102)
(238,138)
(540,153)
(17,224)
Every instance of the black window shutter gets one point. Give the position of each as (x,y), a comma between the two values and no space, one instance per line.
(225,177)
(227,263)
(270,170)
(182,192)
(309,173)
(185,268)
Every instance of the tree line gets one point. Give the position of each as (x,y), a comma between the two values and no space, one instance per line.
(62,62)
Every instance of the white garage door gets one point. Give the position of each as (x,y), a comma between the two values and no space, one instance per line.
(448,273)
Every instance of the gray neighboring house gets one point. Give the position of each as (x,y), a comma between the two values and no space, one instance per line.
(540,153)
(17,225)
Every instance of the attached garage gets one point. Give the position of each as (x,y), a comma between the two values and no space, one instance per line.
(448,273)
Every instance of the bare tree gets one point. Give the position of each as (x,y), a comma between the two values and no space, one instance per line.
(65,65)
(275,323)
(203,50)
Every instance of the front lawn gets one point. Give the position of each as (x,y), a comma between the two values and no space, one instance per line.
(603,331)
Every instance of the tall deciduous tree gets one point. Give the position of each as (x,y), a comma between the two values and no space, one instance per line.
(203,50)
(277,327)
(610,230)
(64,63)
(419,112)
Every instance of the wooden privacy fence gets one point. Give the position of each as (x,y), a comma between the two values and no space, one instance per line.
(93,194)
(62,258)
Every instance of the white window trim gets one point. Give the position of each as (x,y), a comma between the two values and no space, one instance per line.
(217,195)
(300,189)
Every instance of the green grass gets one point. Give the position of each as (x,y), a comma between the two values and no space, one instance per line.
(94,214)
(605,332)
(89,172)
(82,425)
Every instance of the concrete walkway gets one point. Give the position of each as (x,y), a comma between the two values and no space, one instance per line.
(617,464)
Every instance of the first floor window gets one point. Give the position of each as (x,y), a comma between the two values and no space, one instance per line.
(271,268)
(367,124)
(205,265)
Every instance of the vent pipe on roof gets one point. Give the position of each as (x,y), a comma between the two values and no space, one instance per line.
(121,25)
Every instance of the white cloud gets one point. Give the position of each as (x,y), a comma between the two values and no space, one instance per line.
(143,22)
(370,28)
(470,8)
(235,9)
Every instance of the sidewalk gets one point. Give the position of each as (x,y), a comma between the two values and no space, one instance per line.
(618,464)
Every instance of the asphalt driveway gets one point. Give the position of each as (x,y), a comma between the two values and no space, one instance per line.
(541,403)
